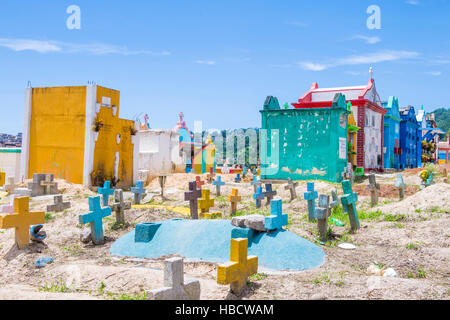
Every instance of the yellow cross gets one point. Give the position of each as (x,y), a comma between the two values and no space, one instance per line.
(21,220)
(204,203)
(234,199)
(2,178)
(239,268)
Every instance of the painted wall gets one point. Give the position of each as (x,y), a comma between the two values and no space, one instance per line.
(57,122)
(10,163)
(409,137)
(391,145)
(372,135)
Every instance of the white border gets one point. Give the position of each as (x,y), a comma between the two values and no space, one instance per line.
(24,159)
(89,136)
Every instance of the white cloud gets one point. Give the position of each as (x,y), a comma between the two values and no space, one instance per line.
(369,40)
(371,58)
(434,73)
(43,46)
(208,62)
(412,2)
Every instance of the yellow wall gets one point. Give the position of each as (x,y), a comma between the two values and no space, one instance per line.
(352,136)
(57,129)
(106,145)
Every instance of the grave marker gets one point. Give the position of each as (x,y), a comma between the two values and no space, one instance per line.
(192,196)
(2,178)
(106,191)
(255,183)
(37,188)
(348,201)
(199,182)
(210,176)
(291,187)
(269,193)
(11,186)
(238,178)
(21,220)
(373,187)
(218,183)
(95,219)
(321,214)
(234,199)
(429,180)
(205,202)
(277,218)
(445,175)
(401,186)
(48,183)
(58,205)
(139,192)
(258,196)
(311,197)
(239,268)
(120,206)
(175,288)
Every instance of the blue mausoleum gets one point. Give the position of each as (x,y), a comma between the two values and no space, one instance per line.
(410,139)
(392,121)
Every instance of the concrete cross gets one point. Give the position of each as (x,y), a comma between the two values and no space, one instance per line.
(291,187)
(48,183)
(58,205)
(234,199)
(218,183)
(429,180)
(244,171)
(238,178)
(106,191)
(311,197)
(445,175)
(210,176)
(95,218)
(199,182)
(120,206)
(277,218)
(269,193)
(162,183)
(334,196)
(348,201)
(11,186)
(2,178)
(241,266)
(139,192)
(255,183)
(175,288)
(192,196)
(401,186)
(21,220)
(258,196)
(321,214)
(205,202)
(373,187)
(8,208)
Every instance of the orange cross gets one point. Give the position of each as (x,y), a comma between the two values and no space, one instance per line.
(234,199)
(205,202)
(21,220)
(239,268)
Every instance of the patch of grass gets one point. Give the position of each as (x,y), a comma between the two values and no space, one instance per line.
(325,277)
(398,225)
(58,286)
(394,217)
(412,246)
(126,296)
(418,210)
(49,217)
(75,250)
(419,274)
(257,277)
(369,215)
(101,288)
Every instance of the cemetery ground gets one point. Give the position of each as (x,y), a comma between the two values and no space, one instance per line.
(411,236)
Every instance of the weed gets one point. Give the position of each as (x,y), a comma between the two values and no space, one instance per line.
(258,276)
(58,286)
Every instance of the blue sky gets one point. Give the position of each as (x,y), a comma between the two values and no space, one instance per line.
(218,60)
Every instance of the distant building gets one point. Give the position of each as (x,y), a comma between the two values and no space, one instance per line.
(429,136)
(444,151)
(392,150)
(409,139)
(10,141)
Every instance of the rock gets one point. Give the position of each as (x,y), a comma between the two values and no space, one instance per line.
(85,235)
(347,246)
(389,273)
(255,222)
(238,221)
(318,296)
(373,270)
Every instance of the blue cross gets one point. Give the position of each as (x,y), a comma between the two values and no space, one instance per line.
(348,201)
(311,197)
(218,183)
(238,178)
(258,196)
(106,191)
(138,191)
(277,218)
(255,183)
(94,217)
(244,171)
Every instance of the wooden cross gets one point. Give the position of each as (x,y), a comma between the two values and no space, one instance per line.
(95,219)
(175,288)
(11,186)
(162,183)
(291,187)
(255,183)
(139,192)
(192,196)
(445,175)
(106,191)
(401,186)
(58,205)
(258,196)
(234,199)
(2,178)
(205,202)
(311,197)
(199,182)
(373,187)
(241,266)
(48,183)
(277,218)
(321,214)
(269,193)
(120,206)
(348,201)
(218,183)
(210,176)
(238,178)
(21,220)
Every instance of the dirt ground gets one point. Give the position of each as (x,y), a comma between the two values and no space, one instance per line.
(410,236)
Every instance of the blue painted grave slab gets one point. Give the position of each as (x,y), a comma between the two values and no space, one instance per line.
(209,240)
